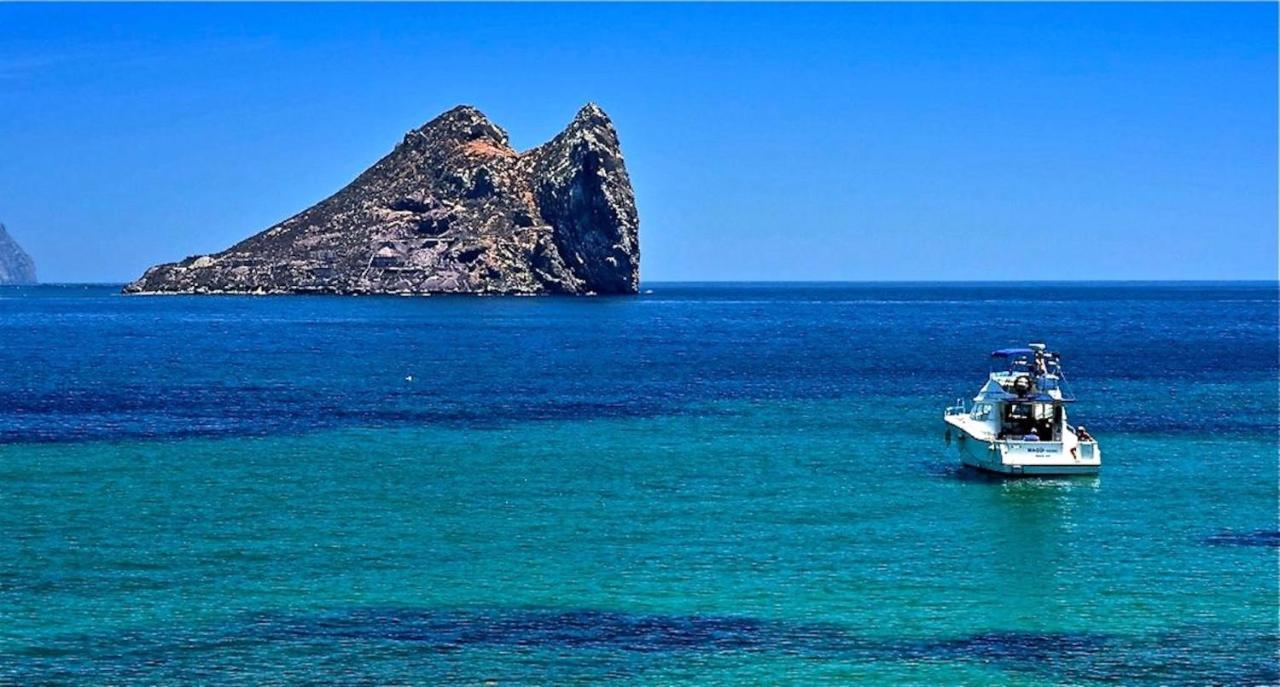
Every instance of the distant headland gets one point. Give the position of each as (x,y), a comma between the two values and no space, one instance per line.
(16,266)
(453,209)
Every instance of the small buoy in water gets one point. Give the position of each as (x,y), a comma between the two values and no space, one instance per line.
(409,378)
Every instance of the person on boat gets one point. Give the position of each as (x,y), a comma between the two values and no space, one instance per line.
(1040,368)
(1044,429)
(1082,434)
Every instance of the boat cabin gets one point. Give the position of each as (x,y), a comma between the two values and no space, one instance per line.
(1023,399)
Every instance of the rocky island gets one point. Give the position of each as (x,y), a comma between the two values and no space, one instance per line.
(453,209)
(16,267)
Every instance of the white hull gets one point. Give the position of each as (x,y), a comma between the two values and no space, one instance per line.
(1029,458)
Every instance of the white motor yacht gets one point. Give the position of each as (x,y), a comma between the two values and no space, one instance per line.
(1017,424)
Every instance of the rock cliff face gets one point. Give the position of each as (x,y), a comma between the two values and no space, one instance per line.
(16,267)
(453,209)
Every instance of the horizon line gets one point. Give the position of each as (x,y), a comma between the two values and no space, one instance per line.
(821,282)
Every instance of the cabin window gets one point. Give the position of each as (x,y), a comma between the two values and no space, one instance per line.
(1025,419)
(981,411)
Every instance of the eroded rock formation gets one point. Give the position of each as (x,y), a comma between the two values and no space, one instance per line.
(453,209)
(16,267)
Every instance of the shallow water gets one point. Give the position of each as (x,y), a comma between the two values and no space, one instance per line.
(702,485)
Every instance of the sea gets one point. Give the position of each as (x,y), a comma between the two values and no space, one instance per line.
(704,484)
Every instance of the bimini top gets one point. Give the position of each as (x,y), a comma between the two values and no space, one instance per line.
(1010,352)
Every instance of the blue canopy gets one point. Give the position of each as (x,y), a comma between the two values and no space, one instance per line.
(1010,352)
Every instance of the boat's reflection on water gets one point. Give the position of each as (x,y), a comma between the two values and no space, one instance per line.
(1026,511)
(1030,536)
(1013,484)
(1028,484)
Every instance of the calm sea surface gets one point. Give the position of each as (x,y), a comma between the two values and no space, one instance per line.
(705,484)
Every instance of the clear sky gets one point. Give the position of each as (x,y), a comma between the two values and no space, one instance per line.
(765,142)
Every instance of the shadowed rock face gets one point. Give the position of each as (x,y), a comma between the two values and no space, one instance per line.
(453,209)
(16,267)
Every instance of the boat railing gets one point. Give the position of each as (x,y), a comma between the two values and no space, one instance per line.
(958,409)
(1063,391)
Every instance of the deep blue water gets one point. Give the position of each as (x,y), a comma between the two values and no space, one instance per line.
(703,484)
(81,363)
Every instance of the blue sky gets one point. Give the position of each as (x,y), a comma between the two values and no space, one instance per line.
(765,142)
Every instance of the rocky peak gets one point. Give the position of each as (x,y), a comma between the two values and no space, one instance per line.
(583,189)
(591,115)
(16,267)
(461,125)
(452,209)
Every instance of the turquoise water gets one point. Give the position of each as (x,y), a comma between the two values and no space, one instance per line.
(703,485)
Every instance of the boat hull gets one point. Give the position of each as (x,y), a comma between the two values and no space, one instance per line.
(1025,458)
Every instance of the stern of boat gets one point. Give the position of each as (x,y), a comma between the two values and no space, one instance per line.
(1047,457)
